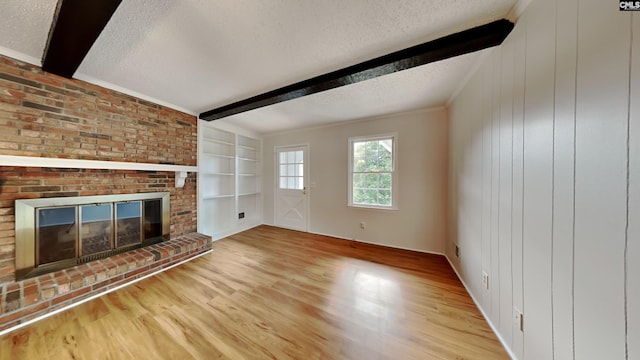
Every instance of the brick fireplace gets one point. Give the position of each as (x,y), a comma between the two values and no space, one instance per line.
(46,116)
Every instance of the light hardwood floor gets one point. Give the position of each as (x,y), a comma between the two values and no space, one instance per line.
(270,293)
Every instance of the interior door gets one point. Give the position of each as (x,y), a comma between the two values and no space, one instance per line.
(292,196)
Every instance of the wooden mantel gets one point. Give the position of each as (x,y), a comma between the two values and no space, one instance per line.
(181,171)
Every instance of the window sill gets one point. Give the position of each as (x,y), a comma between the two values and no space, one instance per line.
(367,207)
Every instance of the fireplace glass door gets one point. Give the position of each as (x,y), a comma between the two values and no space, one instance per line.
(128,222)
(95,228)
(56,234)
(152,219)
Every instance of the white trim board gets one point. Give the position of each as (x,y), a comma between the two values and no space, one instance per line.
(32,161)
(486,318)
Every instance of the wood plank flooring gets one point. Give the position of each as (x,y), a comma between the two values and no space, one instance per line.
(270,293)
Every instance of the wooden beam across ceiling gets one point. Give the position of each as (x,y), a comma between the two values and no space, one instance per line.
(76,26)
(460,43)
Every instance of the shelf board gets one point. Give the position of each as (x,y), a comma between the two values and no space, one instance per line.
(246,159)
(222,142)
(218,155)
(216,173)
(211,197)
(249,194)
(247,174)
(247,147)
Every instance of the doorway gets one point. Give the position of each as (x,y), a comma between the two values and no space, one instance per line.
(291,193)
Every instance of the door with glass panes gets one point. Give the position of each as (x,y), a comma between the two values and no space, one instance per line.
(292,195)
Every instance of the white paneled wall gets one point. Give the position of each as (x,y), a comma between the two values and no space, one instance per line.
(602,110)
(563,179)
(633,243)
(545,182)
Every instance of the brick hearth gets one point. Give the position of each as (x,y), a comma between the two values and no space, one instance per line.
(25,300)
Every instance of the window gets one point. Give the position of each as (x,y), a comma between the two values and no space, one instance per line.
(373,172)
(292,170)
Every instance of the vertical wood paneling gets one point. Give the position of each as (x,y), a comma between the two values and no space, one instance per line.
(506,189)
(554,107)
(538,181)
(563,160)
(471,177)
(519,38)
(456,145)
(633,235)
(600,180)
(487,112)
(495,187)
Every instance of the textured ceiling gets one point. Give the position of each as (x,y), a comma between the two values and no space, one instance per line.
(24,27)
(196,55)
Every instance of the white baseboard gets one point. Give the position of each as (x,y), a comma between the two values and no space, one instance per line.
(491,325)
(239,229)
(385,245)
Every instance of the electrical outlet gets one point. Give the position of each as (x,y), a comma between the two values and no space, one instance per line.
(241,215)
(458,252)
(518,318)
(363,225)
(485,280)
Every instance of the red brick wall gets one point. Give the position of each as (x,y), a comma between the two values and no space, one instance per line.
(45,115)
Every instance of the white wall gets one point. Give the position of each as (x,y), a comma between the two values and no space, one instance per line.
(544,185)
(419,223)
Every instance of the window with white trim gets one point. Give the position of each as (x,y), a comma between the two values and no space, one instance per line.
(373,172)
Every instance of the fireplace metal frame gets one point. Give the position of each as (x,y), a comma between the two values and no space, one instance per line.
(25,225)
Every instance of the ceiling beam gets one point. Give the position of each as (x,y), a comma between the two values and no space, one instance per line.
(76,26)
(463,42)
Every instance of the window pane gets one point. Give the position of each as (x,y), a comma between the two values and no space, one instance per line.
(299,159)
(359,164)
(386,146)
(371,181)
(371,196)
(291,183)
(291,170)
(283,183)
(299,183)
(283,170)
(358,180)
(283,157)
(358,148)
(300,171)
(385,181)
(358,196)
(385,160)
(384,197)
(371,164)
(371,149)
(291,157)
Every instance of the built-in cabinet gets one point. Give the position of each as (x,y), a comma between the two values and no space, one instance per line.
(229,182)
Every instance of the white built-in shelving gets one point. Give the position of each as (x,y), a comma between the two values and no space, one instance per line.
(229,185)
(247,179)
